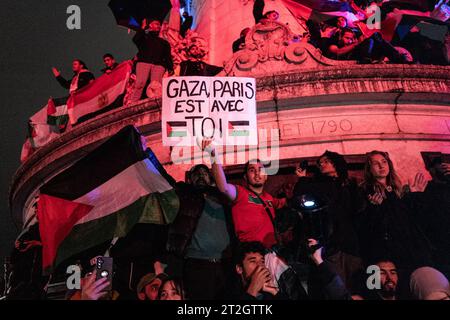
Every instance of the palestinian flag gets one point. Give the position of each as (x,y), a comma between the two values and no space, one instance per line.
(42,125)
(45,125)
(398,23)
(320,10)
(238,128)
(102,196)
(57,115)
(103,92)
(176,129)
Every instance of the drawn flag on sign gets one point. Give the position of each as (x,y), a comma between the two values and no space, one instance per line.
(176,129)
(238,128)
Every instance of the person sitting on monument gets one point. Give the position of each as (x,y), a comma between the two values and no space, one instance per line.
(362,49)
(195,66)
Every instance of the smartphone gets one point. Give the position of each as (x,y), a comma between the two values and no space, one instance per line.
(104,269)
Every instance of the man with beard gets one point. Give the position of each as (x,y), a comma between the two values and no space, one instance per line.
(148,286)
(388,283)
(81,76)
(195,66)
(208,252)
(251,205)
(388,280)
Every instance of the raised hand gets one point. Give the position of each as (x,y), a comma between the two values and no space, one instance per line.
(144,24)
(420,183)
(56,72)
(299,172)
(376,198)
(206,145)
(316,256)
(446,169)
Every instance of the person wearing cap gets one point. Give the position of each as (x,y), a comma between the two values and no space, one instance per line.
(148,286)
(208,252)
(202,235)
(427,283)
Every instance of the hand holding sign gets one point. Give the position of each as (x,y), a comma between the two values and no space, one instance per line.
(207,145)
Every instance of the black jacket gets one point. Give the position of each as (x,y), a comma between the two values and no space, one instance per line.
(431,211)
(344,201)
(198,68)
(192,203)
(388,231)
(83,80)
(153,49)
(109,68)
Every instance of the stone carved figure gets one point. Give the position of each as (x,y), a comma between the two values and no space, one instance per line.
(179,45)
(270,42)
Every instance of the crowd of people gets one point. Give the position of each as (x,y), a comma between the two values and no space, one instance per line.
(234,248)
(325,239)
(361,39)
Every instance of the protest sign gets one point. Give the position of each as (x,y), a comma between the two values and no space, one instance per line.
(218,108)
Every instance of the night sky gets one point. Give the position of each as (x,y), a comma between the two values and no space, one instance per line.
(34,37)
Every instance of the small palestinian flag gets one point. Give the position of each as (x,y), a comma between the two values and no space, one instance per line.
(176,129)
(238,128)
(57,113)
(102,196)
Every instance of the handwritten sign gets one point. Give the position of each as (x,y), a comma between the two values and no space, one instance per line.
(218,108)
